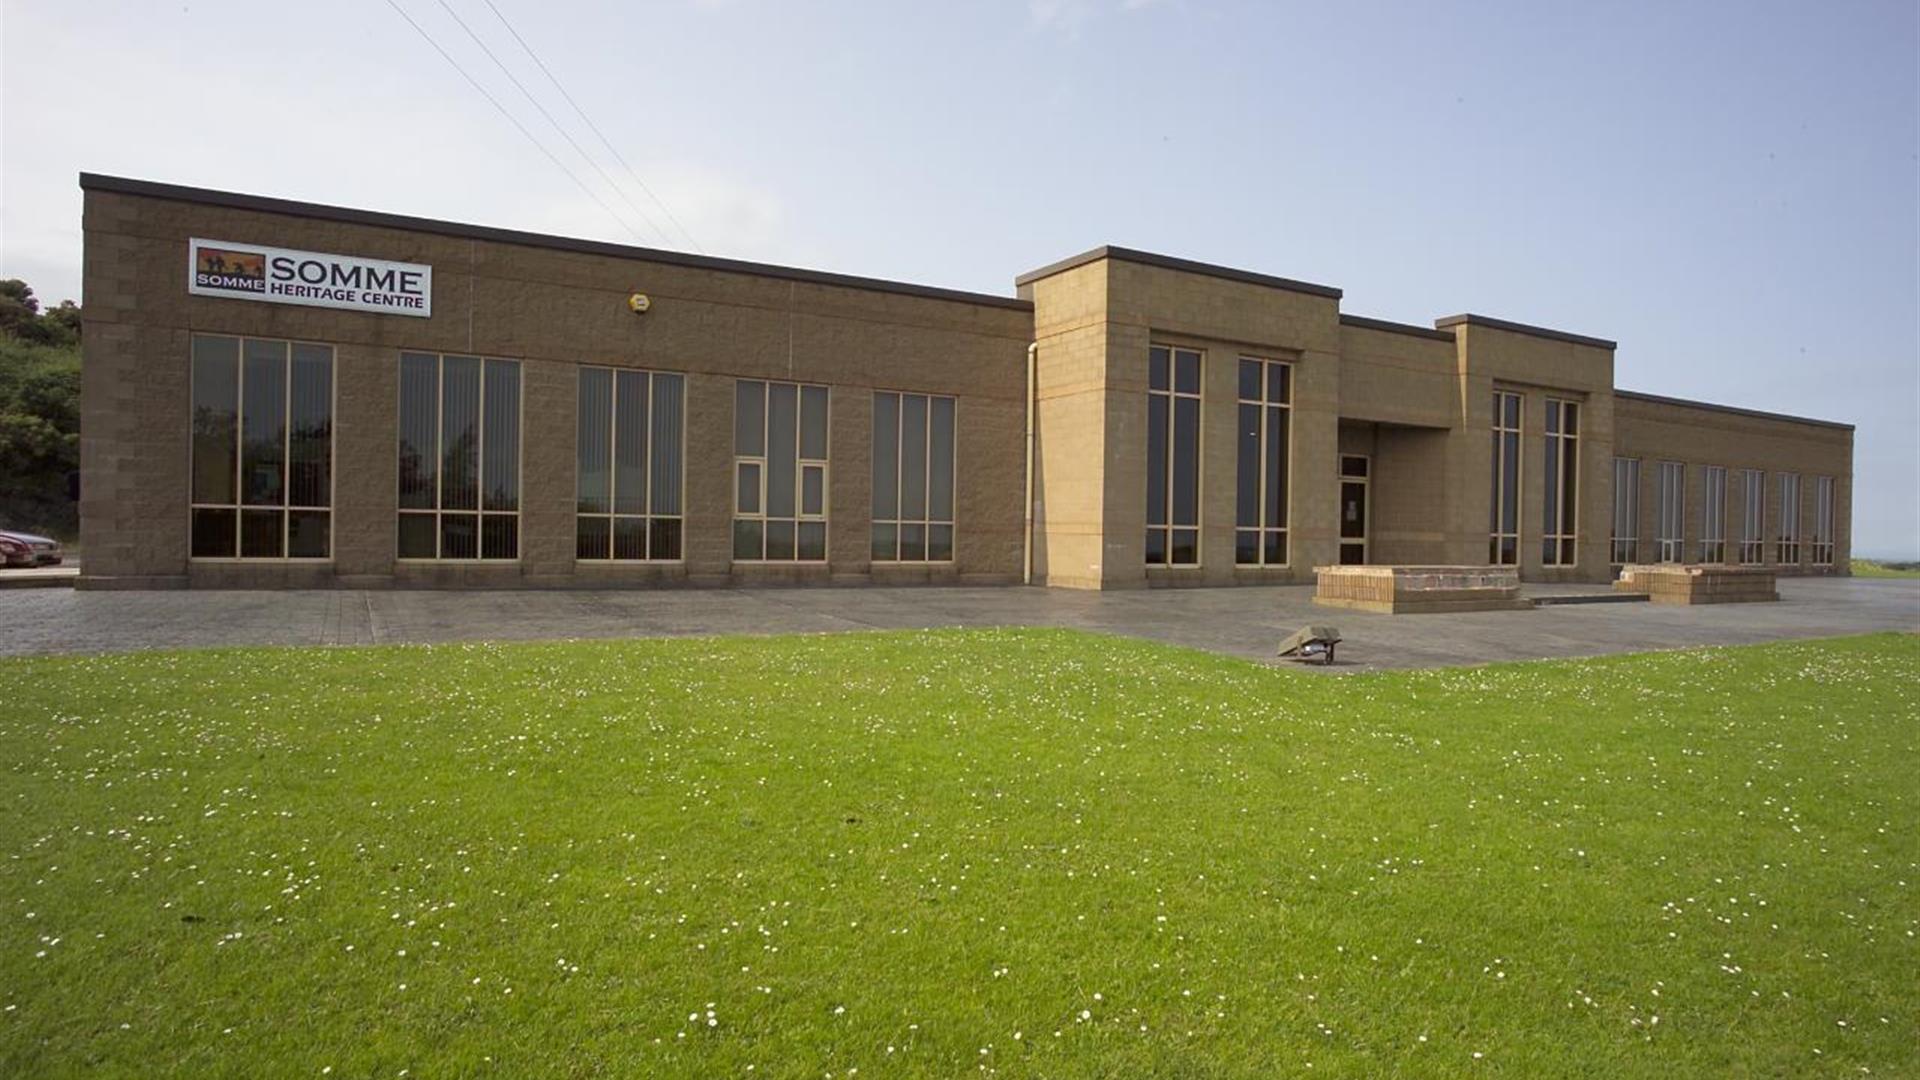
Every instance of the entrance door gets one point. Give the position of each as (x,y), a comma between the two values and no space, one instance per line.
(1353,509)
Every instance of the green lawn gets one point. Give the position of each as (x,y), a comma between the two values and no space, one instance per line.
(1870,568)
(1033,853)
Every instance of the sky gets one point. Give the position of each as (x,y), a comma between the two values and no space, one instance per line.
(1728,190)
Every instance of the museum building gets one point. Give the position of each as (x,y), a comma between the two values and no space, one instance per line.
(284,394)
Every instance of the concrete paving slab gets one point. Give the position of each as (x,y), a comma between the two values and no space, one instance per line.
(1246,622)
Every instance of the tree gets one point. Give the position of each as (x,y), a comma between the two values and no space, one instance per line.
(39,411)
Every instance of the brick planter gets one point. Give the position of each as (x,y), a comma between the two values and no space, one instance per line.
(1680,583)
(1413,590)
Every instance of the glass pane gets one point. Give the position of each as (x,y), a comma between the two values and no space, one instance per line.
(629,538)
(1246,487)
(813,489)
(1513,410)
(459,536)
(502,469)
(782,428)
(746,539)
(592,536)
(1156,459)
(813,540)
(307,534)
(1186,371)
(1278,422)
(1569,492)
(1493,491)
(213,534)
(1156,546)
(749,418)
(1279,383)
(216,415)
(1186,547)
(885,543)
(1550,505)
(663,538)
(913,543)
(417,536)
(813,423)
(459,434)
(940,461)
(1158,375)
(593,444)
(1509,551)
(1246,546)
(1353,511)
(630,443)
(1250,380)
(1510,484)
(913,456)
(500,536)
(746,487)
(310,453)
(1570,418)
(1276,548)
(260,533)
(1553,417)
(940,543)
(779,540)
(1186,461)
(1547,549)
(886,457)
(669,419)
(263,428)
(419,409)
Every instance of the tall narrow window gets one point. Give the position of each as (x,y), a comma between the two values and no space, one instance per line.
(1823,521)
(912,477)
(1671,527)
(628,453)
(262,465)
(1713,523)
(1786,549)
(1626,510)
(1173,457)
(459,457)
(1753,515)
(1560,523)
(1266,398)
(1503,513)
(779,472)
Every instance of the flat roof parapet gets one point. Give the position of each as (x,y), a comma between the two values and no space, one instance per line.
(1523,328)
(1409,329)
(1758,414)
(1169,262)
(378,219)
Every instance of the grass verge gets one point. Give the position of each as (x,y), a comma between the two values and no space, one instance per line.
(1029,852)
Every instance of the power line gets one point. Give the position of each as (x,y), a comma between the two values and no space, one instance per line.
(524,92)
(595,128)
(522,128)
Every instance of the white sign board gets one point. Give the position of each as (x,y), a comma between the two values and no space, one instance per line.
(284,276)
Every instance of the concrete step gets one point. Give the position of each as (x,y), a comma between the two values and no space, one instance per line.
(1608,597)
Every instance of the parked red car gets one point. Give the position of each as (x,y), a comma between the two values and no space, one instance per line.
(28,549)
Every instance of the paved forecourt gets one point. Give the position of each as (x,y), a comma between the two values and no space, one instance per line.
(1242,622)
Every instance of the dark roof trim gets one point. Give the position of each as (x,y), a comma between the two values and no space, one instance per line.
(1523,328)
(1168,262)
(1408,329)
(318,211)
(1633,395)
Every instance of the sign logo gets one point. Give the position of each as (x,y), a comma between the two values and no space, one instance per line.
(224,268)
(310,278)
